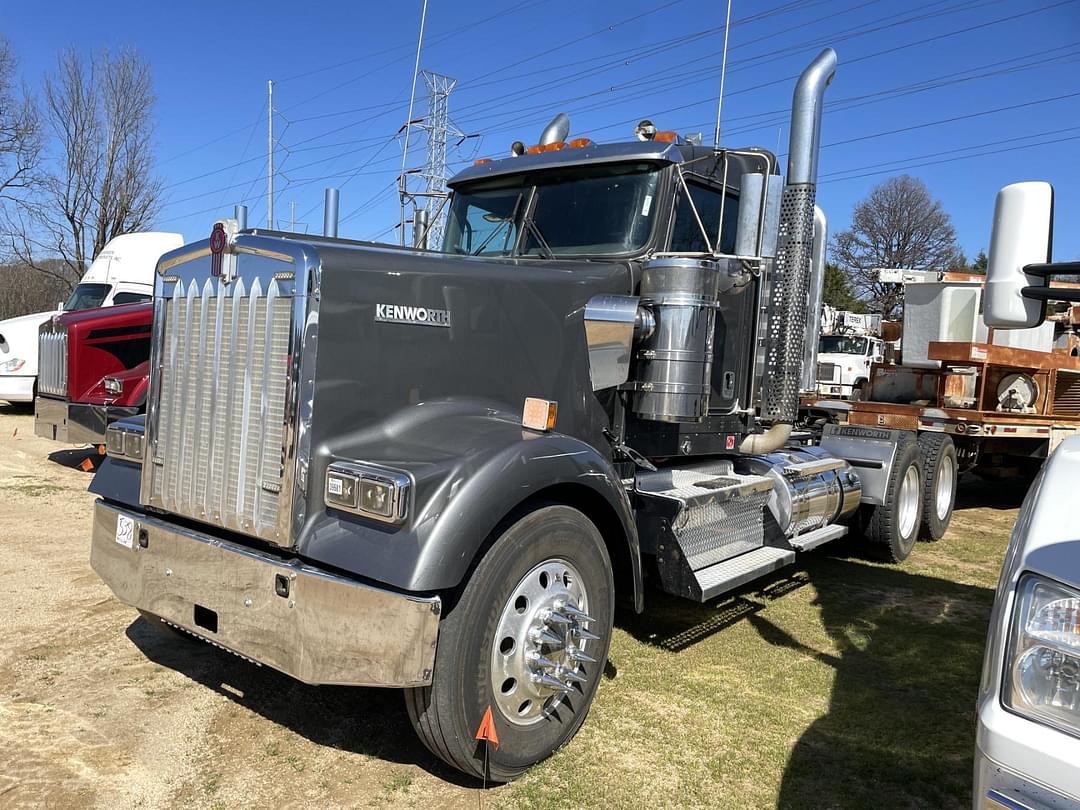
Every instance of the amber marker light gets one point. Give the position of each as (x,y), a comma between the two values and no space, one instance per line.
(539,414)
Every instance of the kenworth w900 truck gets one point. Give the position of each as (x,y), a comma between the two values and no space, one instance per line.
(440,471)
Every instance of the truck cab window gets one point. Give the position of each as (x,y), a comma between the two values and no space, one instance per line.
(840,344)
(594,211)
(483,222)
(130,298)
(86,296)
(686,236)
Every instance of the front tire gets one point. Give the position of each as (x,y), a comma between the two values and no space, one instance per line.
(539,605)
(939,484)
(893,527)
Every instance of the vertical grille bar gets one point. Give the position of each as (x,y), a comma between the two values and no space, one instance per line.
(222,405)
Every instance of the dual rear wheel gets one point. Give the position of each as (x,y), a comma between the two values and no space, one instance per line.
(919,496)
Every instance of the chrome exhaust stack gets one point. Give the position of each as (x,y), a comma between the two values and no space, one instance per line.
(790,289)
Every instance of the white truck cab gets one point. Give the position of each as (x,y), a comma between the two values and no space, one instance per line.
(123,273)
(844,362)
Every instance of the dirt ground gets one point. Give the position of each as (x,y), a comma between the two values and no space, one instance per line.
(842,683)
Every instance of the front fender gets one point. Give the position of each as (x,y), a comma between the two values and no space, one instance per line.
(472,466)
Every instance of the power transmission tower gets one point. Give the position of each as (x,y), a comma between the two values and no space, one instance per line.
(439,129)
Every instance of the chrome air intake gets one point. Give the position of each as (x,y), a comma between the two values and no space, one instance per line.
(790,288)
(674,364)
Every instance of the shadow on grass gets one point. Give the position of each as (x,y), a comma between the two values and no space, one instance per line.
(366,721)
(899,730)
(980,493)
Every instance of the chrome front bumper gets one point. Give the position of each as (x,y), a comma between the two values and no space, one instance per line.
(75,422)
(318,627)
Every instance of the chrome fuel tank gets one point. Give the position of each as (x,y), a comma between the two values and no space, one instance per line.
(811,488)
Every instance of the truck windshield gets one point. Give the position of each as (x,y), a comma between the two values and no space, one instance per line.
(577,211)
(841,344)
(86,296)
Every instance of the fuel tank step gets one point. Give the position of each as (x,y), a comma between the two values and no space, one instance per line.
(730,574)
(697,518)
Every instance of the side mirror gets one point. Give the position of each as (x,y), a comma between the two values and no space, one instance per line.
(1021,236)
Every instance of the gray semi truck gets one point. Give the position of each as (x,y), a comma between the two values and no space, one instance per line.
(441,470)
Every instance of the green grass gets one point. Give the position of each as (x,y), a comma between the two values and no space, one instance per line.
(838,683)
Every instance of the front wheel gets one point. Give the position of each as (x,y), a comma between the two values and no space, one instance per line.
(529,638)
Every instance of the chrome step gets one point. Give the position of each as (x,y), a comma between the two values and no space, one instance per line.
(732,573)
(818,537)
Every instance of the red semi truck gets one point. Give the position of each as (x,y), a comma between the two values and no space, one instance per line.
(93,370)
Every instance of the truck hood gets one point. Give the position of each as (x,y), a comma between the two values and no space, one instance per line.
(842,359)
(19,339)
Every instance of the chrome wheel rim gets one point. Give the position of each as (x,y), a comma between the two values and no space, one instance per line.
(943,498)
(539,653)
(909,502)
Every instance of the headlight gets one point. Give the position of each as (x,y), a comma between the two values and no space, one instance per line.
(14,364)
(124,443)
(1043,677)
(114,386)
(368,490)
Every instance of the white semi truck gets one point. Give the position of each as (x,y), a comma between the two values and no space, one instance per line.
(123,273)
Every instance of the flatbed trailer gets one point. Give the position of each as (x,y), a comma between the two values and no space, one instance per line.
(991,437)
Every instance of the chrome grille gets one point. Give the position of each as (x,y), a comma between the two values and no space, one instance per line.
(53,363)
(218,453)
(828,372)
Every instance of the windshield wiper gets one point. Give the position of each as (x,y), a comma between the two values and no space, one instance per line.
(505,221)
(535,231)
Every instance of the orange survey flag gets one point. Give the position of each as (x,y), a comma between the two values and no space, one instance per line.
(487,729)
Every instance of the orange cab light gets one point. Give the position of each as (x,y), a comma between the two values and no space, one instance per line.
(481,161)
(545,147)
(579,143)
(667,136)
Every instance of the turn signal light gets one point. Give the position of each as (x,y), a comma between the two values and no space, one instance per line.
(580,143)
(539,414)
(481,161)
(667,136)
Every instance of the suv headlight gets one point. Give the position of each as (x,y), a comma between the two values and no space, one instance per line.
(1042,681)
(14,364)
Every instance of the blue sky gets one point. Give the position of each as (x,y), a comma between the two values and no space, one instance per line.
(968,95)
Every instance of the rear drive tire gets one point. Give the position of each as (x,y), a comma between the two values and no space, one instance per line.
(490,647)
(939,483)
(893,527)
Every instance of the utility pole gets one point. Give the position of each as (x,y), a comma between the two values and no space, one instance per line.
(270,154)
(292,217)
(402,187)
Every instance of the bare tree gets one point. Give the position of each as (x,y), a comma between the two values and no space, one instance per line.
(898,225)
(100,112)
(20,136)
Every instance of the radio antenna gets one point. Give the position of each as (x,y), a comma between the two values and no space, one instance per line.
(723,74)
(408,122)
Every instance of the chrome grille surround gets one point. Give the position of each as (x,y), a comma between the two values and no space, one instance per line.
(53,359)
(228,353)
